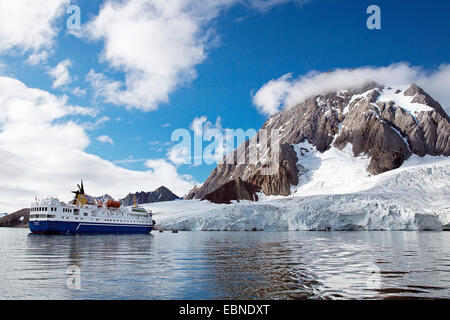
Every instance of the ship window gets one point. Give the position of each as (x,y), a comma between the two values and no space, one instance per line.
(85,214)
(50,216)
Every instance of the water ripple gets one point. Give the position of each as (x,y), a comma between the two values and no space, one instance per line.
(227,265)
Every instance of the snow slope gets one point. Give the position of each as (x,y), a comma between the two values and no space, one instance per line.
(334,195)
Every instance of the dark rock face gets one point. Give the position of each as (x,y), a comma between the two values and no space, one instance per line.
(386,131)
(233,190)
(192,193)
(18,219)
(160,194)
(280,182)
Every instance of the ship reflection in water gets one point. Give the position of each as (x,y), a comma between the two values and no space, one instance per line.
(226,265)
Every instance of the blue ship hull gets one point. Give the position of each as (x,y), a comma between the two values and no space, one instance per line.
(65,227)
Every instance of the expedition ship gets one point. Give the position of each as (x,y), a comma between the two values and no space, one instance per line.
(83,216)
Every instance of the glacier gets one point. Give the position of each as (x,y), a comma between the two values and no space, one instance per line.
(336,193)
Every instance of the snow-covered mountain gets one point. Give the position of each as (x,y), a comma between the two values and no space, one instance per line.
(383,125)
(373,158)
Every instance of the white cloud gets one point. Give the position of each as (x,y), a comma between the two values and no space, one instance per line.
(179,155)
(197,125)
(60,74)
(286,92)
(29,24)
(79,92)
(157,44)
(271,96)
(37,58)
(105,139)
(42,152)
(89,125)
(200,124)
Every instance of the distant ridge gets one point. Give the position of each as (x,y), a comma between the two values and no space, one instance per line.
(159,195)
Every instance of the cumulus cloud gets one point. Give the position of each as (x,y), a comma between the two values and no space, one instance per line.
(287,92)
(42,152)
(105,139)
(60,74)
(157,44)
(29,24)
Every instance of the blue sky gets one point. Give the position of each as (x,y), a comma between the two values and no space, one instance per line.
(249,44)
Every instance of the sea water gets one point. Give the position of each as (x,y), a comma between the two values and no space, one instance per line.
(225,265)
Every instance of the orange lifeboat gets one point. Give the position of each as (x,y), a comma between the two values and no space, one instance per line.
(112,204)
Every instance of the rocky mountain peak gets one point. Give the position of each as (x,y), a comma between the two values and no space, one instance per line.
(421,97)
(385,124)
